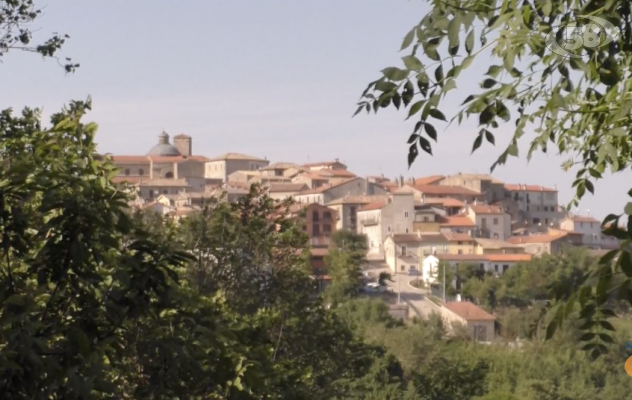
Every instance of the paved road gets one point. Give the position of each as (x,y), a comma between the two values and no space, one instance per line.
(416,298)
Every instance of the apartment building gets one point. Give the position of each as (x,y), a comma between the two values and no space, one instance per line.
(536,204)
(221,167)
(491,188)
(347,209)
(316,220)
(491,221)
(380,219)
(588,227)
(463,194)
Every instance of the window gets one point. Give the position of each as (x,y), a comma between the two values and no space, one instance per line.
(426,219)
(537,208)
(581,224)
(151,193)
(327,228)
(406,230)
(169,175)
(388,229)
(405,214)
(403,251)
(460,251)
(480,333)
(484,221)
(536,220)
(495,235)
(496,267)
(141,172)
(527,208)
(316,230)
(546,221)
(305,228)
(315,216)
(127,171)
(326,215)
(165,191)
(505,268)
(495,221)
(481,267)
(546,208)
(460,242)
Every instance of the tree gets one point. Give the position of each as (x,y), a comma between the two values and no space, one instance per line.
(383,277)
(444,269)
(88,308)
(16,17)
(356,244)
(575,98)
(346,277)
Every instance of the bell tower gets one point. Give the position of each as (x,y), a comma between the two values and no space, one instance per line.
(184,144)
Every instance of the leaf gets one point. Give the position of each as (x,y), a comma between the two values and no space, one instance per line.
(469,42)
(587,337)
(412,63)
(395,74)
(509,59)
(486,116)
(412,154)
(467,62)
(439,73)
(431,131)
(494,70)
(384,86)
(413,138)
(578,64)
(408,39)
(425,144)
(435,113)
(414,109)
(358,110)
(551,328)
(489,136)
(606,325)
(547,7)
(453,31)
(488,83)
(512,150)
(589,186)
(450,84)
(468,99)
(477,143)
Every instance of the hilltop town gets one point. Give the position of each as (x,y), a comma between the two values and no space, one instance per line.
(411,224)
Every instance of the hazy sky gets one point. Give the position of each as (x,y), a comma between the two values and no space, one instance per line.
(274,78)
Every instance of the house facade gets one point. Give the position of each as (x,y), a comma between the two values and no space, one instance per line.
(380,219)
(221,167)
(491,221)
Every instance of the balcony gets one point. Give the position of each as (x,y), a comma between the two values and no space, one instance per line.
(370,221)
(320,241)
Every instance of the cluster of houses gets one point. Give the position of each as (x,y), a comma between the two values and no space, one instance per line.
(410,224)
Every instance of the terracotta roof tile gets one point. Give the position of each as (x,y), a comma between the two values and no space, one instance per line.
(336,173)
(445,190)
(358,199)
(373,206)
(325,187)
(457,220)
(486,209)
(458,237)
(508,257)
(469,311)
(428,180)
(445,202)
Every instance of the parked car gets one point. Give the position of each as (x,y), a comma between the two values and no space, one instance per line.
(414,272)
(374,288)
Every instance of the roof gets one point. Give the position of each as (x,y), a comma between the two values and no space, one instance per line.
(236,156)
(129,179)
(469,311)
(445,190)
(406,238)
(458,237)
(457,220)
(232,190)
(528,188)
(494,243)
(358,199)
(286,187)
(486,209)
(534,239)
(482,177)
(323,164)
(582,218)
(164,149)
(428,180)
(166,182)
(336,173)
(326,187)
(419,237)
(374,206)
(280,165)
(124,159)
(445,202)
(182,136)
(485,257)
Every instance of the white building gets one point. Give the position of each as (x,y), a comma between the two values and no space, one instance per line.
(536,204)
(496,263)
(588,227)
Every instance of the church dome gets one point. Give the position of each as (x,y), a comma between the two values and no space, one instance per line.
(164,148)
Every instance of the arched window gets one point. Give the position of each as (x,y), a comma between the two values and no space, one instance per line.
(141,172)
(127,171)
(169,175)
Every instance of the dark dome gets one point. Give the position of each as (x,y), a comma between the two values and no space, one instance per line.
(164,148)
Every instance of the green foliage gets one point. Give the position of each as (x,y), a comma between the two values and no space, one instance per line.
(16,19)
(346,276)
(575,98)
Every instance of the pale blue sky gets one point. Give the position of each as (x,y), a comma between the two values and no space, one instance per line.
(275,78)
